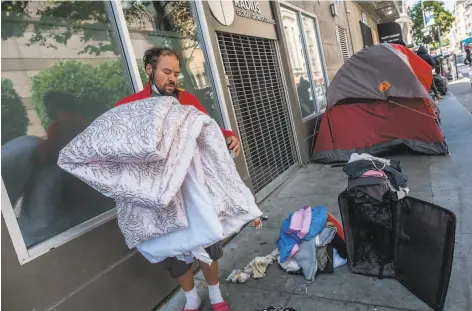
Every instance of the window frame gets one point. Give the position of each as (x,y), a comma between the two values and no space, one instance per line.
(300,13)
(117,20)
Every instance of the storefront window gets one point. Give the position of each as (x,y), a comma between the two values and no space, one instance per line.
(61,68)
(172,24)
(299,62)
(314,54)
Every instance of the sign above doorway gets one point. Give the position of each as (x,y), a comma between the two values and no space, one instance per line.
(224,11)
(390,32)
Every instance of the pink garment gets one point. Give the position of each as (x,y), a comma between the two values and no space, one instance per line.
(301,221)
(294,250)
(374,173)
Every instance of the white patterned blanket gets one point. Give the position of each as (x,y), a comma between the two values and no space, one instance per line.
(139,154)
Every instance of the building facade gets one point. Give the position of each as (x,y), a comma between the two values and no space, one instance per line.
(260,68)
(462,27)
(405,23)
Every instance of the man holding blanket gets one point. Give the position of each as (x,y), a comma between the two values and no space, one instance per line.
(162,66)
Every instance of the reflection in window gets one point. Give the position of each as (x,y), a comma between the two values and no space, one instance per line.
(61,68)
(171,24)
(314,54)
(299,63)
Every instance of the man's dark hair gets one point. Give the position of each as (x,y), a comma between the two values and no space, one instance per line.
(152,55)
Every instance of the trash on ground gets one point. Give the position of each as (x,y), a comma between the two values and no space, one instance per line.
(255,269)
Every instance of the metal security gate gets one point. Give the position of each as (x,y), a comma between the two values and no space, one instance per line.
(260,104)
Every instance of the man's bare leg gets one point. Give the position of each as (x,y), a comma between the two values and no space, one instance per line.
(188,285)
(210,272)
(186,281)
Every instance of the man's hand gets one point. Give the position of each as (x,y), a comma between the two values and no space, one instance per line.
(234,144)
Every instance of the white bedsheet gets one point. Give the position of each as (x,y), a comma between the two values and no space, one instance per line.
(204,227)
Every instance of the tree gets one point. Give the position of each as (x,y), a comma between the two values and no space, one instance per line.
(444,41)
(443,18)
(55,22)
(14,116)
(97,88)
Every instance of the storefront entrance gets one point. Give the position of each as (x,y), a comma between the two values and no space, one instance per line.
(258,96)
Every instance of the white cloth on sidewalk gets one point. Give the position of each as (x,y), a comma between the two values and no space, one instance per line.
(290,265)
(364,156)
(255,269)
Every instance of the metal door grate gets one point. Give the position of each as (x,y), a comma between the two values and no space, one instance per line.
(260,105)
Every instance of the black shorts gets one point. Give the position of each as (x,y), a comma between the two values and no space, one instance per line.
(177,268)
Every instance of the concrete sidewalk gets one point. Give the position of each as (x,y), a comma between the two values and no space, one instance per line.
(443,180)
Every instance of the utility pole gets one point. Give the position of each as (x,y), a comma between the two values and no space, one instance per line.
(422,10)
(424,23)
(439,40)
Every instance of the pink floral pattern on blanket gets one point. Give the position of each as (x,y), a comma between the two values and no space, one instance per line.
(139,153)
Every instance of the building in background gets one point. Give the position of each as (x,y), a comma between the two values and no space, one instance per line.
(462,27)
(260,68)
(405,22)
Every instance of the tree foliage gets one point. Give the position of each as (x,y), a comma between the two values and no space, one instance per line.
(97,88)
(14,117)
(444,41)
(443,18)
(56,22)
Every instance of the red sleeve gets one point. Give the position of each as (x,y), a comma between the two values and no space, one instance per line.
(126,100)
(120,102)
(189,99)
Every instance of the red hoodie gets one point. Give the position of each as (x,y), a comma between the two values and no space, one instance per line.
(185,98)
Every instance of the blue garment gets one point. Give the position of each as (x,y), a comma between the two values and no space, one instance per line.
(288,240)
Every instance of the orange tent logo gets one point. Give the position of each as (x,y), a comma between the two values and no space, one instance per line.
(384,86)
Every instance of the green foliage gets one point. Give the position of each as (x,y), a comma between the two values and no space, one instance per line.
(443,18)
(60,20)
(14,117)
(445,42)
(97,88)
(16,12)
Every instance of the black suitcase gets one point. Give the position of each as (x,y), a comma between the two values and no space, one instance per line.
(410,240)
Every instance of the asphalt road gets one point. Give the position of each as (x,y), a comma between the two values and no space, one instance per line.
(462,89)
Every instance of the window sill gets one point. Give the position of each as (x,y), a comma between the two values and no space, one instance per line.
(65,237)
(313,116)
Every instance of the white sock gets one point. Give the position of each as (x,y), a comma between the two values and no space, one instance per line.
(193,300)
(215,293)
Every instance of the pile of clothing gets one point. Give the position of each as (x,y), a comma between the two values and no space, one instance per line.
(168,168)
(374,177)
(277,309)
(311,241)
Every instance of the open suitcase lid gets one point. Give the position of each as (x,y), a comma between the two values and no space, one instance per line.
(425,250)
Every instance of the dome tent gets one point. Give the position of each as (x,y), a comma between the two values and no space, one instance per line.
(377,101)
